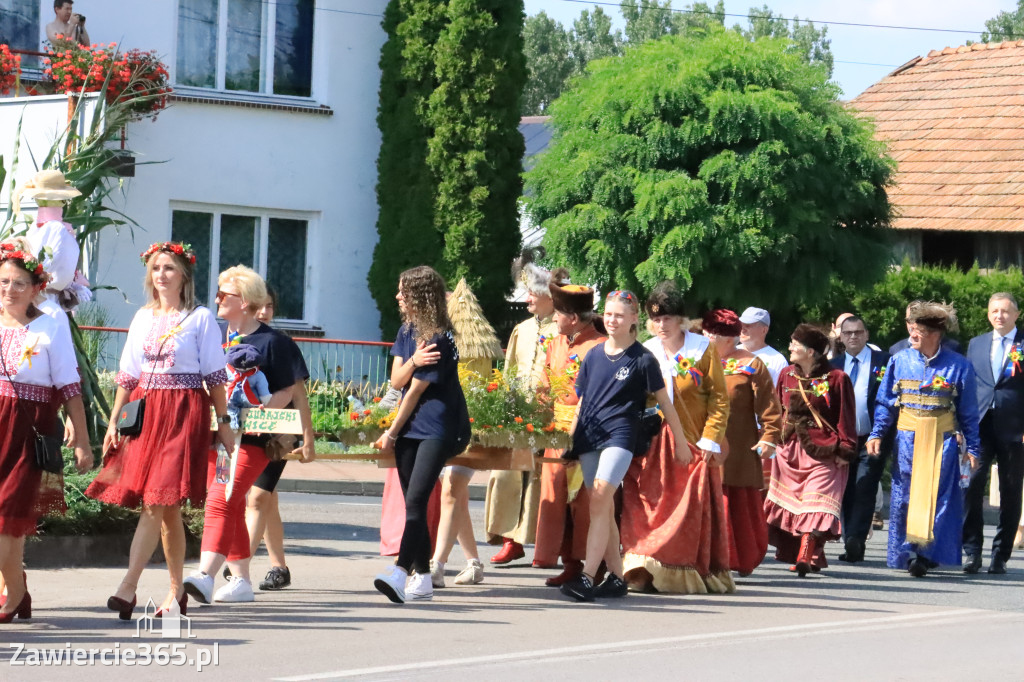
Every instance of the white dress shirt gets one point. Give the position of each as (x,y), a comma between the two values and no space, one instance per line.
(999,351)
(861,387)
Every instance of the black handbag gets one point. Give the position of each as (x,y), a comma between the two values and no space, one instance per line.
(48,454)
(129,422)
(650,425)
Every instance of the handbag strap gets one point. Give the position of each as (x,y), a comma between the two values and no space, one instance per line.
(14,387)
(160,350)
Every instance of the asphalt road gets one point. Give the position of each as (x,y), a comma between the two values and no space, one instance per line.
(864,622)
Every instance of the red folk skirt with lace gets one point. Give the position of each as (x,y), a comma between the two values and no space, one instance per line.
(26,491)
(166,463)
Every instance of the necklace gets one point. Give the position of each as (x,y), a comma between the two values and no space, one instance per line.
(618,356)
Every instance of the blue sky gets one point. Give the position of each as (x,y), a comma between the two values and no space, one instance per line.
(876,51)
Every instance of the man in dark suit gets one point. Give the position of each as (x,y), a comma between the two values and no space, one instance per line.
(865,367)
(998,359)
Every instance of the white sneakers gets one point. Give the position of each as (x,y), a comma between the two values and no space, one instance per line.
(237,590)
(391,583)
(472,574)
(437,573)
(399,587)
(419,587)
(199,586)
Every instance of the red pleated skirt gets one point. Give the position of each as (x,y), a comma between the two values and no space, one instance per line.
(748,537)
(26,492)
(166,463)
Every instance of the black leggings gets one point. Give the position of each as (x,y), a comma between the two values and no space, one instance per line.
(419,464)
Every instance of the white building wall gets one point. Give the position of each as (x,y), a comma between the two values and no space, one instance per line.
(212,154)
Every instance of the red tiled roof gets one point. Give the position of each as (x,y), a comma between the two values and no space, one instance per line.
(954,122)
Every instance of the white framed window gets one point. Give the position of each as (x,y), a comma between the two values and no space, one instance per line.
(246,46)
(273,243)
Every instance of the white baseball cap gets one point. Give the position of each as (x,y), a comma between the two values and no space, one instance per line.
(752,315)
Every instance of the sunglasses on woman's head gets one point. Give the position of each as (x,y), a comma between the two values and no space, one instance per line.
(620,294)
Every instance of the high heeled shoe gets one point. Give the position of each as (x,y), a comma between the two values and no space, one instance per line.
(3,597)
(182,606)
(121,607)
(24,610)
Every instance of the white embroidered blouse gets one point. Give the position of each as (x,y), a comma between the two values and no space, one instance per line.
(40,359)
(191,353)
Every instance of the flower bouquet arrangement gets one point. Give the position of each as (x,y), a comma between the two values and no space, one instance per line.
(505,415)
(363,424)
(135,77)
(9,65)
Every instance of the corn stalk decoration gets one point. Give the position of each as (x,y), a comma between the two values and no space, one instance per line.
(89,156)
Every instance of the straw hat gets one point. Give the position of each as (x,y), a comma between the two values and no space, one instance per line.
(49,185)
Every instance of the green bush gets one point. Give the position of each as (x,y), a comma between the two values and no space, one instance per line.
(86,516)
(884,305)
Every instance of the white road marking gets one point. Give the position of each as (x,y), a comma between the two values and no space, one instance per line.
(547,655)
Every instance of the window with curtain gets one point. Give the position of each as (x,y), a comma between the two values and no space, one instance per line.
(195,228)
(250,61)
(272,245)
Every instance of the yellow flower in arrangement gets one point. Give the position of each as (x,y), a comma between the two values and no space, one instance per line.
(573,368)
(730,365)
(820,388)
(1016,356)
(686,366)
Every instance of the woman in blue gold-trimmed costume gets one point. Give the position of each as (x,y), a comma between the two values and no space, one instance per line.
(929,392)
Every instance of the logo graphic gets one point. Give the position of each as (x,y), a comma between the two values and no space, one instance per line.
(168,626)
(622,374)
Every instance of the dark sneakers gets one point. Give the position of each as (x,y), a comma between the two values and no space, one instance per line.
(579,588)
(613,586)
(277,578)
(973,564)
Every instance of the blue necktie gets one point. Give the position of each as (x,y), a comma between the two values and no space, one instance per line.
(997,362)
(854,371)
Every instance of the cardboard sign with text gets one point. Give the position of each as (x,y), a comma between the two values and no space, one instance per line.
(257,420)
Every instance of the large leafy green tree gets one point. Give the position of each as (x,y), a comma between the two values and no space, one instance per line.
(727,165)
(407,235)
(808,41)
(476,149)
(546,46)
(1005,25)
(452,74)
(591,38)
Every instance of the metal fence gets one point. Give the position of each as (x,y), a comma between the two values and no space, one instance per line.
(337,368)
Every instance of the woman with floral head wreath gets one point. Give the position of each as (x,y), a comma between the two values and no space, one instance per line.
(819,439)
(172,358)
(38,374)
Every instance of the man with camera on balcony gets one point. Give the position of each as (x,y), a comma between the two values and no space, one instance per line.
(67,24)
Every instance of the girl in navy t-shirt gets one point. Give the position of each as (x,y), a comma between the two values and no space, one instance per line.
(432,424)
(613,384)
